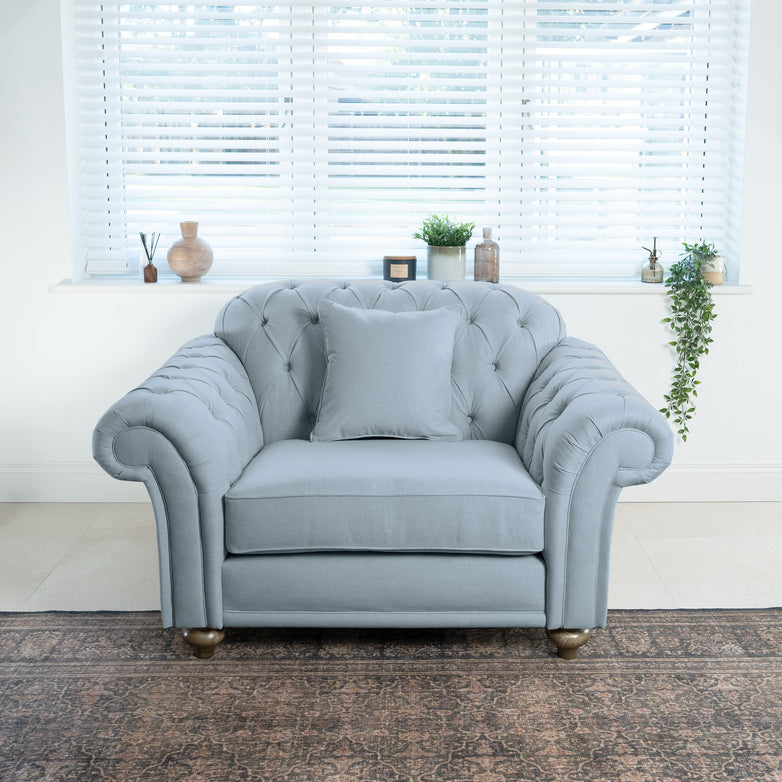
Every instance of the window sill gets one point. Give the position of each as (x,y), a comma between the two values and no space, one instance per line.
(235,285)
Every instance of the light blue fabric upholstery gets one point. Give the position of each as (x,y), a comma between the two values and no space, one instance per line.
(583,434)
(388,374)
(397,590)
(187,432)
(504,334)
(385,495)
(552,432)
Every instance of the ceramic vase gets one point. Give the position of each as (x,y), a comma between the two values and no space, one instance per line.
(446,263)
(190,257)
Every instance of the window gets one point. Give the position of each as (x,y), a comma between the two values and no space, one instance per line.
(313,138)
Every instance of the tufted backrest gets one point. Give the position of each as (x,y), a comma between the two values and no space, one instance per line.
(275,332)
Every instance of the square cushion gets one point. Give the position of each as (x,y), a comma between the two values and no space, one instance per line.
(385,495)
(388,374)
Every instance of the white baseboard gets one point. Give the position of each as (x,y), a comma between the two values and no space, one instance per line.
(64,481)
(84,481)
(723,482)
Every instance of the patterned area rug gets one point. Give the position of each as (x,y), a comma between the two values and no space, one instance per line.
(658,695)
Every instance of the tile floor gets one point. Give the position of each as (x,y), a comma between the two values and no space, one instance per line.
(101,556)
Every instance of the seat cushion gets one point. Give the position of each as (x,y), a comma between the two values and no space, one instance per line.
(472,496)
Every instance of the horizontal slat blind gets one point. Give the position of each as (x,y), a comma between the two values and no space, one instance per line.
(631,131)
(313,138)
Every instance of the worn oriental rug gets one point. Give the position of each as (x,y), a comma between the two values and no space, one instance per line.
(658,695)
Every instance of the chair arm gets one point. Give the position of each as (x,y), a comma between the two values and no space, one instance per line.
(187,432)
(584,433)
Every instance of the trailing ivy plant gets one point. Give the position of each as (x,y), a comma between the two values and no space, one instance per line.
(443,232)
(692,313)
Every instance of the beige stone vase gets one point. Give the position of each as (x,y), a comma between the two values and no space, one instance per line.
(190,257)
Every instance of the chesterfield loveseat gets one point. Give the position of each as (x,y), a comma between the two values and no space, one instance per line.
(371,454)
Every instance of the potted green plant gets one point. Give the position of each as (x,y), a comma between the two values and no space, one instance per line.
(446,240)
(692,313)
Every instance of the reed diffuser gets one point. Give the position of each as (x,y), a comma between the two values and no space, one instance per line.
(149,243)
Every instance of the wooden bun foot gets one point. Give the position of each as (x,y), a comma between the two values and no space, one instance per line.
(568,642)
(204,640)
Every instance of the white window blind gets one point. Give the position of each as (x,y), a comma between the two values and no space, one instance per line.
(312,138)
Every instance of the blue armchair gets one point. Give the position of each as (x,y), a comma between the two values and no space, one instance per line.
(364,454)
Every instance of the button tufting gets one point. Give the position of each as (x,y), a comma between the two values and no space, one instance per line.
(264,321)
(314,319)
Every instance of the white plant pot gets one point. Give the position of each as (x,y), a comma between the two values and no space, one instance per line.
(446,263)
(714,270)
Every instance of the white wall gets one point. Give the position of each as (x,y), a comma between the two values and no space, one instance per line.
(68,356)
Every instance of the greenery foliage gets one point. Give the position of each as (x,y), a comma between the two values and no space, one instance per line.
(692,313)
(442,232)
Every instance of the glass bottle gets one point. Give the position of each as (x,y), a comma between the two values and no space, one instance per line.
(487,259)
(652,271)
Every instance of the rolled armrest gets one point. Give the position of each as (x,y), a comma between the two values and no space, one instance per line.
(584,433)
(187,432)
(201,401)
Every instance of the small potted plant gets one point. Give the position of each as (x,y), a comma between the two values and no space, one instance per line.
(692,313)
(446,240)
